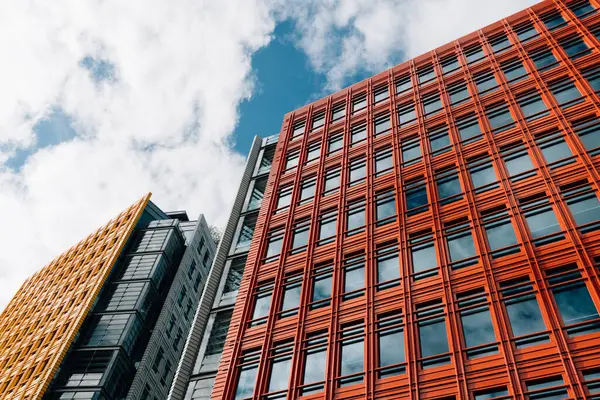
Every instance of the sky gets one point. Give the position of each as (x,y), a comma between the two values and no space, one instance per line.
(102,101)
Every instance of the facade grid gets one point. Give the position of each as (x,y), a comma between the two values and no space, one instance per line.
(433,232)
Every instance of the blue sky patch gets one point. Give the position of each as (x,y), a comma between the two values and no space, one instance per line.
(285,81)
(100,70)
(54,129)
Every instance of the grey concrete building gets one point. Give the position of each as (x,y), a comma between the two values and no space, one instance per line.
(200,360)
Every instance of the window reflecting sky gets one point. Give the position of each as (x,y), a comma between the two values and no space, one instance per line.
(461,247)
(525,317)
(478,328)
(433,338)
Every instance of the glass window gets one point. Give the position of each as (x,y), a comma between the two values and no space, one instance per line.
(358,171)
(532,106)
(589,133)
(406,114)
(382,124)
(383,161)
(160,355)
(385,207)
(266,160)
(476,322)
(313,152)
(262,303)
(448,186)
(432,103)
(300,238)
(403,84)
(318,121)
(583,204)
(592,380)
(327,226)
(248,224)
(380,94)
(499,42)
(523,311)
(513,70)
(332,180)
(166,371)
(553,20)
(474,53)
(285,198)
(352,351)
(315,358)
(338,111)
(458,94)
(554,148)
(573,300)
(247,375)
(499,117)
(307,189)
(468,127)
(439,140)
(388,265)
(292,290)
(544,59)
(593,77)
(450,64)
(322,289)
(177,339)
(575,47)
(461,247)
(499,231)
(540,217)
(517,161)
(359,134)
(485,81)
(234,276)
(582,8)
(390,343)
(493,393)
(355,220)
(547,388)
(281,365)
(426,74)
(336,142)
(298,129)
(411,151)
(192,269)
(258,192)
(422,254)
(595,31)
(566,93)
(526,32)
(359,103)
(354,275)
(275,241)
(433,338)
(292,161)
(482,174)
(416,196)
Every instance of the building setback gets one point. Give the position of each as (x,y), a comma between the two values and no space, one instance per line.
(108,318)
(433,232)
(198,366)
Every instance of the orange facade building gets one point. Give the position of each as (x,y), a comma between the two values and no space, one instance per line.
(43,319)
(433,232)
(108,318)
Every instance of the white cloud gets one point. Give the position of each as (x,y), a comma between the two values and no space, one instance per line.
(343,36)
(161,124)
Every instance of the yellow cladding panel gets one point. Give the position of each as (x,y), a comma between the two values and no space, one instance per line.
(43,318)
